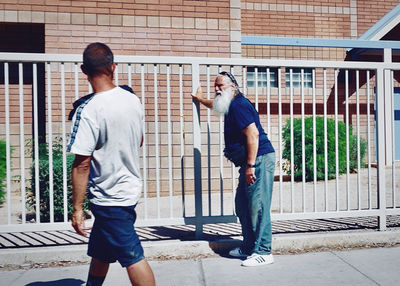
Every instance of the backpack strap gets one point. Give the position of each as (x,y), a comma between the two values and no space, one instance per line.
(85,98)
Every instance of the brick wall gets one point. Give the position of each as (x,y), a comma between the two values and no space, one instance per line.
(137,27)
(286,17)
(320,19)
(295,24)
(369,12)
(182,28)
(174,27)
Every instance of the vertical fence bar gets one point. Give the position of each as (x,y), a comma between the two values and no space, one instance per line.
(182,138)
(380,122)
(256,86)
(347,140)
(21,141)
(156,136)
(36,139)
(221,158)
(244,81)
(303,143)
(116,75)
(197,155)
(358,137)
(393,142)
(50,130)
(325,142)
(233,169)
(144,146)
(209,143)
(64,145)
(388,89)
(269,102)
(169,142)
(130,74)
(8,147)
(76,80)
(291,141)
(280,140)
(314,111)
(369,139)
(336,140)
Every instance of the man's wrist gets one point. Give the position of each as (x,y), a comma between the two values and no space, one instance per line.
(78,208)
(250,165)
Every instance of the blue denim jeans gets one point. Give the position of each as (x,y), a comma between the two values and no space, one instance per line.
(253,206)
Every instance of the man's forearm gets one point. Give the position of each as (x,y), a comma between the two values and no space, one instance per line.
(78,189)
(207,102)
(252,149)
(80,176)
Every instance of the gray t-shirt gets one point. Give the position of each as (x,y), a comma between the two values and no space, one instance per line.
(109,127)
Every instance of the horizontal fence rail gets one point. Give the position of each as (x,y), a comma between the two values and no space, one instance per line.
(330,123)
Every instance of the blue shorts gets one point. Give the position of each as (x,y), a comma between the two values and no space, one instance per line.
(113,236)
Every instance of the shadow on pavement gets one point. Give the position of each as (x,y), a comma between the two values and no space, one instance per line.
(61,282)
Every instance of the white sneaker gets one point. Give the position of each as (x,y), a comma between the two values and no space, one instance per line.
(257,260)
(237,252)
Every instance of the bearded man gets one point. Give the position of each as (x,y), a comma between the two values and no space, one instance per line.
(248,147)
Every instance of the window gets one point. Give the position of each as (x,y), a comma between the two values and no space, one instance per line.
(296,77)
(261,77)
(20,38)
(26,38)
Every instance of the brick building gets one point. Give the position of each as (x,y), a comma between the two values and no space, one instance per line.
(173,28)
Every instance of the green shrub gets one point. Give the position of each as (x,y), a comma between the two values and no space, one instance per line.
(44,186)
(3,170)
(320,145)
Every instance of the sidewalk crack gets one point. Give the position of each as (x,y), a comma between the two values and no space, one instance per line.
(356,269)
(202,275)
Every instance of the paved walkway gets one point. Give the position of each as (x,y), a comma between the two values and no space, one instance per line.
(178,259)
(373,266)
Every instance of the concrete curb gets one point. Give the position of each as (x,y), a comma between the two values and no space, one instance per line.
(341,239)
(190,249)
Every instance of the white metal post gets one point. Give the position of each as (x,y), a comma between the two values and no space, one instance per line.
(387,58)
(21,142)
(8,141)
(197,154)
(381,147)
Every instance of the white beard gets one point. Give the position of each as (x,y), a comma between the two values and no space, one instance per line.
(223,100)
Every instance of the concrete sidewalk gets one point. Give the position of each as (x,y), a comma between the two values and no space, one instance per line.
(369,266)
(178,259)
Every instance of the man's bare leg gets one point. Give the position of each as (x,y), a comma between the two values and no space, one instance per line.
(97,272)
(141,274)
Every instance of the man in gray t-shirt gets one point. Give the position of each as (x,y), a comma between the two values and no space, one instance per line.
(106,137)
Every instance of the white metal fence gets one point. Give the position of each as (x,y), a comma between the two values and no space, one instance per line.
(186,178)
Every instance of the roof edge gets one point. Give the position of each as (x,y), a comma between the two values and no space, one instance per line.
(383,26)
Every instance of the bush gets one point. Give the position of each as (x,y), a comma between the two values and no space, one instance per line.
(44,186)
(320,145)
(3,170)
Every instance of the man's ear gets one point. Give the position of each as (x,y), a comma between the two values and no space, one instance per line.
(113,67)
(83,68)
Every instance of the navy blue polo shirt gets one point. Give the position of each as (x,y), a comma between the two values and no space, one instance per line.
(240,115)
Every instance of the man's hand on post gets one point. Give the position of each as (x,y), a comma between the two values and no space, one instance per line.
(198,96)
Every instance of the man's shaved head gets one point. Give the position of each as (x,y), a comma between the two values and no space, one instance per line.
(97,59)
